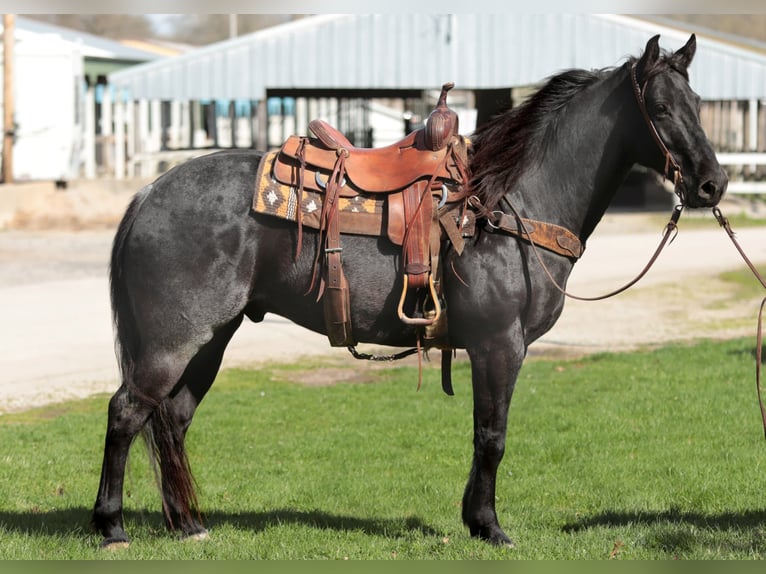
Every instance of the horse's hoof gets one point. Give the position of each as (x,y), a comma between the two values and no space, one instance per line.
(502,542)
(113,545)
(494,536)
(197,536)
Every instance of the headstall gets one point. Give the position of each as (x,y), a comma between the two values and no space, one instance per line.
(670,163)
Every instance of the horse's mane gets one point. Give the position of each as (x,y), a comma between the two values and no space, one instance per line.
(505,146)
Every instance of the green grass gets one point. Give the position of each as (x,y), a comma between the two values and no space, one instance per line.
(746,286)
(648,455)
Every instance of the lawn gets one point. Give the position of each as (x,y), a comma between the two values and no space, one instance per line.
(647,455)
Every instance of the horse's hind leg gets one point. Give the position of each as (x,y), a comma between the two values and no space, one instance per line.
(165,390)
(180,407)
(129,409)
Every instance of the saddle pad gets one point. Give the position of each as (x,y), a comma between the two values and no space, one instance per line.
(361,215)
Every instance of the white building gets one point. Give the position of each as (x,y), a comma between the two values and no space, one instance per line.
(60,78)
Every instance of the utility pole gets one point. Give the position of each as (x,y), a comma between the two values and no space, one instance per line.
(232,25)
(9,36)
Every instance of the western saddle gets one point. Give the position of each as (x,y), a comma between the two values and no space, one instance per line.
(423,181)
(416,192)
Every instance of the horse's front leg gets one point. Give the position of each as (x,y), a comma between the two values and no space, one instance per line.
(494,366)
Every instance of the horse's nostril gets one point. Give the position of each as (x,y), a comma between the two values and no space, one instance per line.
(709,189)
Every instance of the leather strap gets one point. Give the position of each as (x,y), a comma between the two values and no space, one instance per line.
(522,231)
(418,210)
(333,285)
(547,235)
(724,222)
(670,162)
(671,229)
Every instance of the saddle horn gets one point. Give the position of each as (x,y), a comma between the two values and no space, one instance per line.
(442,122)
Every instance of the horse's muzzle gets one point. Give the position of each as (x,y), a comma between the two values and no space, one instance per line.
(710,191)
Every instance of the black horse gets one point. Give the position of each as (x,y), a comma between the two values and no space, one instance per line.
(191,260)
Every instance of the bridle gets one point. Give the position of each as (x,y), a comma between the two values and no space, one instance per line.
(671,228)
(671,165)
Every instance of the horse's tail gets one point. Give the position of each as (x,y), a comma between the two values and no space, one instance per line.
(126,340)
(165,442)
(163,435)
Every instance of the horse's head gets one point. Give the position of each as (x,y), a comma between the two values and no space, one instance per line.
(681,152)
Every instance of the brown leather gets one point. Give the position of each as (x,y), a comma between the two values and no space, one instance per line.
(548,235)
(418,210)
(360,214)
(442,123)
(328,135)
(397,222)
(381,170)
(417,176)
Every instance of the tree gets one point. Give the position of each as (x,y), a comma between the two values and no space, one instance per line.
(201,29)
(194,29)
(116,26)
(745,25)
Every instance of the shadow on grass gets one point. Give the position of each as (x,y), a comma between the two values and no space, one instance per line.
(675,530)
(76,522)
(722,521)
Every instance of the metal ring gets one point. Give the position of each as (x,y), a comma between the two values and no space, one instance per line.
(323,184)
(443,200)
(495,213)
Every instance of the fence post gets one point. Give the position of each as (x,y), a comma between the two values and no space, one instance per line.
(106,129)
(119,138)
(89,135)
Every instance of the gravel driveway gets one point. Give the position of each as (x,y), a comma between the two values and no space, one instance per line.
(56,340)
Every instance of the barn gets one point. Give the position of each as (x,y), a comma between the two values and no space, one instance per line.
(376,75)
(124,111)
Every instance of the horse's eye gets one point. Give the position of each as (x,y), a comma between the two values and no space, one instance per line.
(661,110)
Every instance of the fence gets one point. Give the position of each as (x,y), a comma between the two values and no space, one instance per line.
(747,172)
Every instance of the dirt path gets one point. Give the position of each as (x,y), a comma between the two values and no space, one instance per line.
(56,340)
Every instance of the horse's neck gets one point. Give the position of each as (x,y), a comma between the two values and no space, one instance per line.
(585,161)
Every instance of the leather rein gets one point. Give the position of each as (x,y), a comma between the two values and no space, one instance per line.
(723,222)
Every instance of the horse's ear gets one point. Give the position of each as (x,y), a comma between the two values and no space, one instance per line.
(650,56)
(685,55)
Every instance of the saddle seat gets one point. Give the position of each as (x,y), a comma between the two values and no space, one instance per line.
(378,170)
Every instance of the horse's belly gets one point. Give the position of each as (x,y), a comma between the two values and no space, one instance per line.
(371,268)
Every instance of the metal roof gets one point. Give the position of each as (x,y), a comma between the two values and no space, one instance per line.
(422,51)
(89,45)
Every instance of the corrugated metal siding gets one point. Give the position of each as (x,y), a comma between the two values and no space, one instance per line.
(419,51)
